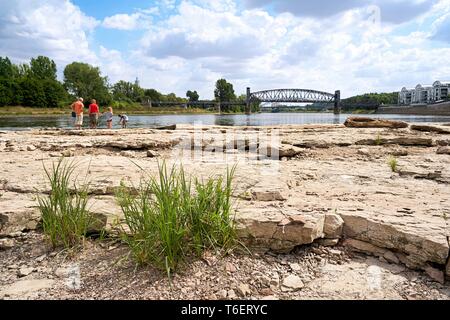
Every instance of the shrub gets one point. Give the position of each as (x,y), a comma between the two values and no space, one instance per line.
(174,216)
(65,215)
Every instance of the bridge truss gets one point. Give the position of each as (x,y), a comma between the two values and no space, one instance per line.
(292,96)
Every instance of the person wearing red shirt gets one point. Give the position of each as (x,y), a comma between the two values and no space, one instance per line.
(93,114)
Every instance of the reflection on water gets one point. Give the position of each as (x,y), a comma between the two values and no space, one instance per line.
(260,119)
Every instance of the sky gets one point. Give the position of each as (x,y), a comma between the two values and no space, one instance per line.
(355,46)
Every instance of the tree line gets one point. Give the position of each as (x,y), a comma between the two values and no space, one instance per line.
(371,99)
(35,84)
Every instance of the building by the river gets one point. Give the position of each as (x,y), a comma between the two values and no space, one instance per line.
(438,91)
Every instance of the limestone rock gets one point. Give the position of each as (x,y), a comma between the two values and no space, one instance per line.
(362,122)
(151,154)
(428,128)
(244,290)
(435,274)
(421,240)
(333,226)
(6,244)
(25,288)
(25,271)
(262,194)
(447,269)
(364,247)
(391,257)
(328,242)
(128,154)
(279,151)
(67,153)
(443,150)
(279,229)
(292,283)
(18,212)
(402,141)
(364,152)
(231,294)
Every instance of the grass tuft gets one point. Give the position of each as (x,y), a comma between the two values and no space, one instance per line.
(65,215)
(174,216)
(393,164)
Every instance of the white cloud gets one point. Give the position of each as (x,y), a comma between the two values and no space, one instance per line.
(128,21)
(55,28)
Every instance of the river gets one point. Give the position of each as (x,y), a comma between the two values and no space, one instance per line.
(260,119)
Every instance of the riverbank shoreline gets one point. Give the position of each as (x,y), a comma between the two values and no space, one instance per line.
(440,109)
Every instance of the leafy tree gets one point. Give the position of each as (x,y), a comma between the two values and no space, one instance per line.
(33,94)
(6,94)
(153,95)
(6,68)
(224,91)
(192,95)
(84,80)
(43,68)
(122,90)
(54,92)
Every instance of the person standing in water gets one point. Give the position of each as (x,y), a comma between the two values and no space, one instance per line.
(77,108)
(93,114)
(109,117)
(123,120)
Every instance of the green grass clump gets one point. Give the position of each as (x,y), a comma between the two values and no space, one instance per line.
(393,164)
(174,216)
(378,140)
(65,215)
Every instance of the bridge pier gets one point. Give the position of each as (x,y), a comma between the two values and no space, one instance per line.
(248,109)
(337,102)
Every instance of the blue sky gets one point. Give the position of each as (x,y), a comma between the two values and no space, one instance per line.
(356,46)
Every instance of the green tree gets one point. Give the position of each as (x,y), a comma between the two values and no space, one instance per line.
(54,93)
(6,93)
(192,95)
(153,95)
(33,94)
(123,90)
(224,91)
(43,68)
(84,80)
(6,68)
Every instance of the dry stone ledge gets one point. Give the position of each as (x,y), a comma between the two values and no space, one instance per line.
(419,240)
(361,122)
(18,212)
(443,150)
(428,128)
(402,141)
(278,229)
(333,226)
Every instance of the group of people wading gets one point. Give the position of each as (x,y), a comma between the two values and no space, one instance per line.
(94,115)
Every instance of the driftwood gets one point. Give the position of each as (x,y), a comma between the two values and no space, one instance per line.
(361,122)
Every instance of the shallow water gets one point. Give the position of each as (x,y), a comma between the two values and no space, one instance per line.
(260,119)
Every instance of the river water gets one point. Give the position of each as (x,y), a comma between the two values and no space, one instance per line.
(260,119)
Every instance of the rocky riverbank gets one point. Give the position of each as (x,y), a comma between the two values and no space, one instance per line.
(298,189)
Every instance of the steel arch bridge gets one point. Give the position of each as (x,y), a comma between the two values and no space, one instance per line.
(294,96)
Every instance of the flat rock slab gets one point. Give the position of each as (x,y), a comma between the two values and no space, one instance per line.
(424,240)
(361,122)
(24,289)
(278,229)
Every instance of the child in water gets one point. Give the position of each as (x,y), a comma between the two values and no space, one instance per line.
(109,117)
(123,120)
